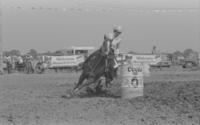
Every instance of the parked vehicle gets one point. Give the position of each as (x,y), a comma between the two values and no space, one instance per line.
(161,64)
(189,64)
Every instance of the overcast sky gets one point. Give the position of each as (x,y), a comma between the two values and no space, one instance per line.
(46,29)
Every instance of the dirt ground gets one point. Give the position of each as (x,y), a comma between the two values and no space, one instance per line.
(171,97)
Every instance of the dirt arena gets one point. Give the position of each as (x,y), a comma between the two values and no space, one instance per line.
(171,97)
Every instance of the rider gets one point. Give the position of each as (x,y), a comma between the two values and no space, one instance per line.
(114,49)
(116,42)
(111,44)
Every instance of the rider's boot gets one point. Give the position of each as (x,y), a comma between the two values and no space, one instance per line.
(115,64)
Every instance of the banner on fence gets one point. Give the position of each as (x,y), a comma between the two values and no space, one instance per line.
(66,61)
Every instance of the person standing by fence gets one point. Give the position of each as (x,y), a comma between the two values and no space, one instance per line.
(28,63)
(8,64)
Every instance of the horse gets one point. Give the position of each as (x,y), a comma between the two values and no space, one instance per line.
(96,66)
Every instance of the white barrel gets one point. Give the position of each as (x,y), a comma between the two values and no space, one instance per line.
(131,76)
(146,68)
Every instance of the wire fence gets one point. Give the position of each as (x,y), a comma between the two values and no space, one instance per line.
(103,9)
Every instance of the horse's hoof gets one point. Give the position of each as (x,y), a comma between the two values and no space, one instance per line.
(67,96)
(75,91)
(89,90)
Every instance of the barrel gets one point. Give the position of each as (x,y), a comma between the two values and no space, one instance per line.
(131,75)
(146,68)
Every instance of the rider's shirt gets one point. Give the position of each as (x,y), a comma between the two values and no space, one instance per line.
(115,45)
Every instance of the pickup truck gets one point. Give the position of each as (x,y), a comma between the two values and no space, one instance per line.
(161,64)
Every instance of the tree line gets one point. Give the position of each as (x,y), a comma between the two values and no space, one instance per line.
(188,54)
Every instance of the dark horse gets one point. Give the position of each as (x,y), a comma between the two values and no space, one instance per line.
(96,66)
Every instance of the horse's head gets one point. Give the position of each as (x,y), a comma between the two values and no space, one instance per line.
(106,47)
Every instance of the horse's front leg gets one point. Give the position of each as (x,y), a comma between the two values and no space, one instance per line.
(80,82)
(108,79)
(89,81)
(99,86)
(108,82)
